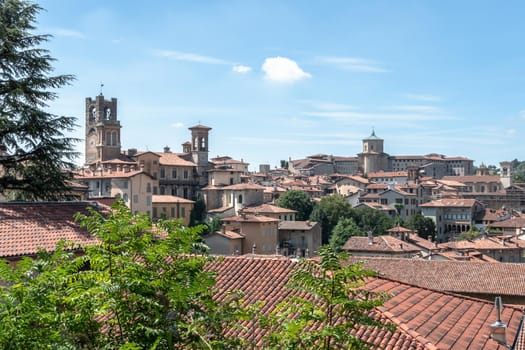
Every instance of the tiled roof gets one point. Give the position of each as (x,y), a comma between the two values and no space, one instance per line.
(452,276)
(250,218)
(473,178)
(297,225)
(173,159)
(425,319)
(169,199)
(380,244)
(27,227)
(450,202)
(387,174)
(244,186)
(509,223)
(109,174)
(268,208)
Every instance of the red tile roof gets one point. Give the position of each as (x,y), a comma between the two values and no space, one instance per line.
(425,319)
(268,209)
(174,160)
(27,227)
(170,199)
(450,202)
(380,244)
(297,225)
(452,276)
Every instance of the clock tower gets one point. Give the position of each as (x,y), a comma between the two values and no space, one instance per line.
(102,130)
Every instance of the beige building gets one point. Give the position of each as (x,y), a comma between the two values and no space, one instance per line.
(172,207)
(135,187)
(260,233)
(453,216)
(299,238)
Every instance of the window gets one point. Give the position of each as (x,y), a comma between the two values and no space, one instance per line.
(174,173)
(185,174)
(135,198)
(172,212)
(125,184)
(125,197)
(155,190)
(161,190)
(148,187)
(154,212)
(182,212)
(148,200)
(240,199)
(162,173)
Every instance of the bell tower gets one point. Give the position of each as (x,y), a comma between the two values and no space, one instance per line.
(199,150)
(102,130)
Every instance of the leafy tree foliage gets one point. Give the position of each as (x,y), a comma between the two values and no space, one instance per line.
(470,234)
(369,219)
(35,156)
(425,226)
(329,302)
(518,172)
(296,200)
(328,212)
(345,228)
(140,288)
(198,214)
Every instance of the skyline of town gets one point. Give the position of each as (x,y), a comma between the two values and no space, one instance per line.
(279,80)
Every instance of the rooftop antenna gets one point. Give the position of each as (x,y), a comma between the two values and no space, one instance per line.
(498,330)
(101,86)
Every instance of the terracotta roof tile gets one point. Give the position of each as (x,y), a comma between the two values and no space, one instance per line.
(425,319)
(380,244)
(27,227)
(168,158)
(452,276)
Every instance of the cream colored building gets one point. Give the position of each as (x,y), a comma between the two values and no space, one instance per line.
(135,187)
(172,207)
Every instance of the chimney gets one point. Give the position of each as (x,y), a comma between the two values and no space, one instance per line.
(370,237)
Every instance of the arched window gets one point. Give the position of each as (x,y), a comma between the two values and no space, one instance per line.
(114,138)
(108,138)
(240,199)
(203,144)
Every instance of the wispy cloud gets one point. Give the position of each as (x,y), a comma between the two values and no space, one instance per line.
(190,57)
(283,70)
(327,106)
(177,125)
(521,114)
(354,64)
(241,69)
(377,117)
(417,108)
(63,32)
(289,141)
(423,97)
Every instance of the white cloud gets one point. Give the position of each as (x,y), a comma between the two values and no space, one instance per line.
(283,70)
(424,97)
(511,132)
(354,64)
(190,57)
(521,114)
(416,108)
(66,33)
(241,69)
(177,125)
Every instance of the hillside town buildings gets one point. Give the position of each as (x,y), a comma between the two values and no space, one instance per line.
(166,183)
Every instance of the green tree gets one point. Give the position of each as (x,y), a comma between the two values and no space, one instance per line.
(140,288)
(345,228)
(35,156)
(472,233)
(296,200)
(328,212)
(425,226)
(327,301)
(198,213)
(369,219)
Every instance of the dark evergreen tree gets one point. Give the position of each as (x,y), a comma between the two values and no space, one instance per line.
(345,228)
(425,226)
(35,156)
(198,213)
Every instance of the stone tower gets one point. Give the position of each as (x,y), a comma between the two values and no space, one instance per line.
(506,173)
(102,130)
(372,158)
(199,151)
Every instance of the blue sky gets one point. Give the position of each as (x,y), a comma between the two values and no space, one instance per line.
(280,79)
